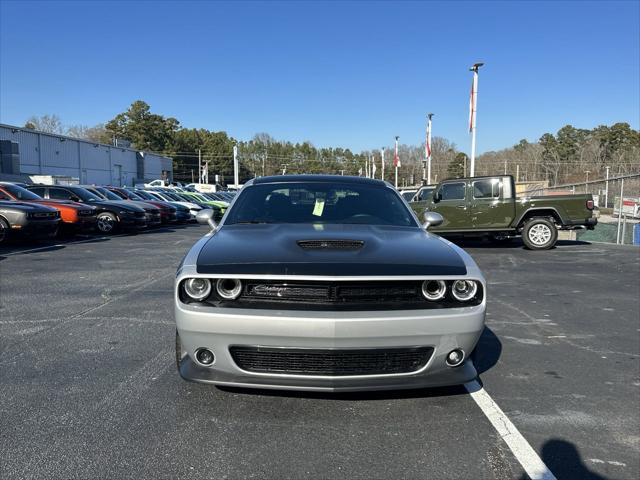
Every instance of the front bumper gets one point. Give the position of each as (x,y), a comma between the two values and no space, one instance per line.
(218,329)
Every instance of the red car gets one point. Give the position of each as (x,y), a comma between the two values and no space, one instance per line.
(75,217)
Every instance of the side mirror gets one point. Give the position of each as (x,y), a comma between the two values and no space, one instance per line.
(437,196)
(74,198)
(205,217)
(431,219)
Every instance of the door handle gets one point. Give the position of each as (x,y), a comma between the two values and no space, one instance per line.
(461,206)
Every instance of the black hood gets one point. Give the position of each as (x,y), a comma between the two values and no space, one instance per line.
(274,250)
(26,206)
(123,205)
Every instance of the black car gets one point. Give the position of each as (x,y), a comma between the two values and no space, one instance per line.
(112,215)
(167,211)
(28,220)
(152,213)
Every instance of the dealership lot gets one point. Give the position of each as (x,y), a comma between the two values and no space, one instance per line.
(89,388)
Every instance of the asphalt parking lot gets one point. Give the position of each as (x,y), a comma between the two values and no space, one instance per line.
(88,386)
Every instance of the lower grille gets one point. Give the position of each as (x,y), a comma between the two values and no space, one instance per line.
(334,363)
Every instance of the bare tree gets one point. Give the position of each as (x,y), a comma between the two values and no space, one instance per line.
(46,123)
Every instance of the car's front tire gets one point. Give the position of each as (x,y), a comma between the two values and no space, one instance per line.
(539,233)
(4,230)
(106,223)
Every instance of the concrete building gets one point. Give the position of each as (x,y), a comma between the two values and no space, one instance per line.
(29,152)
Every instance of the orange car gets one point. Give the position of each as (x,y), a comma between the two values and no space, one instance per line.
(76,217)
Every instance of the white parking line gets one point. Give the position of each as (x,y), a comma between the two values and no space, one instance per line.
(524,453)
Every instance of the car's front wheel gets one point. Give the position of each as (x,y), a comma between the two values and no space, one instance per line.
(539,234)
(4,230)
(107,223)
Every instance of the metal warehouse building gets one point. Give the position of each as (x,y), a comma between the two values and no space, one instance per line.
(29,152)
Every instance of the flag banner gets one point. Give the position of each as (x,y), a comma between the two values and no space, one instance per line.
(427,145)
(472,106)
(396,158)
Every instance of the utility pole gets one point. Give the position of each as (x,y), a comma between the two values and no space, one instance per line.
(606,190)
(473,103)
(382,155)
(586,182)
(236,172)
(396,162)
(428,149)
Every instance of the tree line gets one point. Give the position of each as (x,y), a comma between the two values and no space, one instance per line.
(562,157)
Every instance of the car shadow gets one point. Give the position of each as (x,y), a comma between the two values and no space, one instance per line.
(352,396)
(564,461)
(515,243)
(487,352)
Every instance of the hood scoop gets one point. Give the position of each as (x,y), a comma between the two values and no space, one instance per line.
(330,244)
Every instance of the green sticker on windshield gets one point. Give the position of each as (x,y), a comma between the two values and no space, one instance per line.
(319,208)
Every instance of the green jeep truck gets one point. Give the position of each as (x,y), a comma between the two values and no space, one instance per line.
(488,206)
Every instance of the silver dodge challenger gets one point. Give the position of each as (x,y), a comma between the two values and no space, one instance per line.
(327,283)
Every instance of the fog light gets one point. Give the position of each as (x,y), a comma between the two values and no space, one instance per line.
(455,357)
(205,356)
(198,288)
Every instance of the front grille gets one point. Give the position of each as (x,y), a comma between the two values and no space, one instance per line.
(330,244)
(44,215)
(334,292)
(139,214)
(333,363)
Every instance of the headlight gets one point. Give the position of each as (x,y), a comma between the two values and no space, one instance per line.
(197,288)
(464,290)
(229,288)
(434,289)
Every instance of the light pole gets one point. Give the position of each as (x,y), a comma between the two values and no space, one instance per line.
(396,162)
(382,155)
(606,190)
(428,149)
(236,170)
(473,103)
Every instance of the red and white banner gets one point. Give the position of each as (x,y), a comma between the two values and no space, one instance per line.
(472,104)
(427,145)
(396,158)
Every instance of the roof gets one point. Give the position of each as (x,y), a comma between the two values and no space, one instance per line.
(318,178)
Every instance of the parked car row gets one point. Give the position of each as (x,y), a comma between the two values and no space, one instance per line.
(41,211)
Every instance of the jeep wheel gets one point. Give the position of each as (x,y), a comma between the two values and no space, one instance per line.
(107,223)
(539,234)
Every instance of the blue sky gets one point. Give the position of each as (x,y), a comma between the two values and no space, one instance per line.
(338,74)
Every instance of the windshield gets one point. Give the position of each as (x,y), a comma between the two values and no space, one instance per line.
(106,193)
(319,202)
(86,195)
(146,195)
(20,193)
